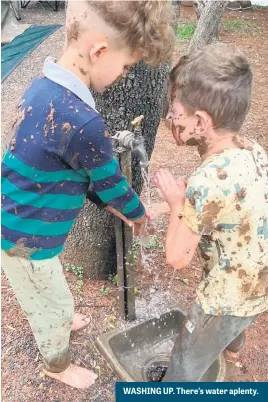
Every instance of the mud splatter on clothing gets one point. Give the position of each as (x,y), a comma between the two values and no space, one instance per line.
(226,203)
(45,181)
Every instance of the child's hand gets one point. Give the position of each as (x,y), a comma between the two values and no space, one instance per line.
(139,222)
(119,215)
(173,191)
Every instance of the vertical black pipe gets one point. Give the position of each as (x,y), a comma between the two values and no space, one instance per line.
(124,240)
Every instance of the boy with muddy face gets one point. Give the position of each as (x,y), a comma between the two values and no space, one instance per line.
(222,210)
(60,146)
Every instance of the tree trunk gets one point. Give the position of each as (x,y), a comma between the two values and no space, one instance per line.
(91,243)
(199,6)
(207,24)
(177,8)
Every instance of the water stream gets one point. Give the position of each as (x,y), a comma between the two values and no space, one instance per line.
(147,233)
(148,241)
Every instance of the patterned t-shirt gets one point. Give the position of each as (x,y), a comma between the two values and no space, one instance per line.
(227,203)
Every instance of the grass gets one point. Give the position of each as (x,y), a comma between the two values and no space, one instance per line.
(238,25)
(185,30)
(232,25)
(113,278)
(78,272)
(104,291)
(154,243)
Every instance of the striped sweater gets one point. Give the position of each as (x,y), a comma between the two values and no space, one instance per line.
(60,146)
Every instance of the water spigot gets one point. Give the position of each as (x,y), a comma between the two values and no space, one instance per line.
(125,138)
(133,141)
(137,123)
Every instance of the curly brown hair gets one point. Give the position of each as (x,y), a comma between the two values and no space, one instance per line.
(144,25)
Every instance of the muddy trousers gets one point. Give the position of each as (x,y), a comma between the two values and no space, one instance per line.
(43,293)
(201,341)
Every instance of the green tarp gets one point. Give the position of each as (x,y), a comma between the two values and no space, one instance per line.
(14,52)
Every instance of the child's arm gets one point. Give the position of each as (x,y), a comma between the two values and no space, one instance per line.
(90,151)
(193,213)
(181,241)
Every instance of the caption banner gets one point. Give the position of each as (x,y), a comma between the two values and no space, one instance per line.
(225,391)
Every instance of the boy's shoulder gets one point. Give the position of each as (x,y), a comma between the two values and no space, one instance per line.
(49,117)
(233,166)
(49,100)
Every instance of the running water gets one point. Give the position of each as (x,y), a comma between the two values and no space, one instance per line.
(145,238)
(140,151)
(147,232)
(146,179)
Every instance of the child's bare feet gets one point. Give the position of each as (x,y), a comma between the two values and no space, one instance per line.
(75,376)
(80,321)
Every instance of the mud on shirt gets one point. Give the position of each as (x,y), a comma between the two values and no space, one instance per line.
(60,146)
(227,203)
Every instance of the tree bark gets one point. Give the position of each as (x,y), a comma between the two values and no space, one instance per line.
(91,244)
(199,6)
(207,24)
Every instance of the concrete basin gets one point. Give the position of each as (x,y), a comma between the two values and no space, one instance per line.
(141,353)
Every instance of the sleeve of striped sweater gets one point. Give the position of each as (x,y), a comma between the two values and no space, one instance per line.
(91,149)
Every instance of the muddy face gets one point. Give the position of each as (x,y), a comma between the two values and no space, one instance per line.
(181,121)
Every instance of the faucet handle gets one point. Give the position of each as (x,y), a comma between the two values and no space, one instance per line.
(137,122)
(124,138)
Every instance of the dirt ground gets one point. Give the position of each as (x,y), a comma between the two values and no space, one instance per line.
(21,379)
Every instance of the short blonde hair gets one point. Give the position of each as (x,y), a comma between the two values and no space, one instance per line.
(217,79)
(147,26)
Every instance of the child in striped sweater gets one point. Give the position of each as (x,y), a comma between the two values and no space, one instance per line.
(60,146)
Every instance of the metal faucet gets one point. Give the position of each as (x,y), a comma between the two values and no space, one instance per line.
(133,141)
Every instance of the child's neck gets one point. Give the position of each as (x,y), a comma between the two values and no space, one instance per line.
(217,142)
(74,61)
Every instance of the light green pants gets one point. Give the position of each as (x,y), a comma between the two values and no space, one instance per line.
(43,293)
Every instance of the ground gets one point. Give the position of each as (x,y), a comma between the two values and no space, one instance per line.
(21,379)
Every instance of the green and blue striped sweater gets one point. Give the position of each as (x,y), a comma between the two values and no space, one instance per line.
(60,146)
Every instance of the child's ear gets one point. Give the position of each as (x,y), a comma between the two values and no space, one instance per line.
(203,122)
(97,51)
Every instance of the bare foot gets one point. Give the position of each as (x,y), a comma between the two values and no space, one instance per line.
(80,321)
(75,376)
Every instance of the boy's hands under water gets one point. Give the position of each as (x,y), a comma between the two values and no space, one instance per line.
(136,225)
(172,190)
(147,217)
(119,215)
